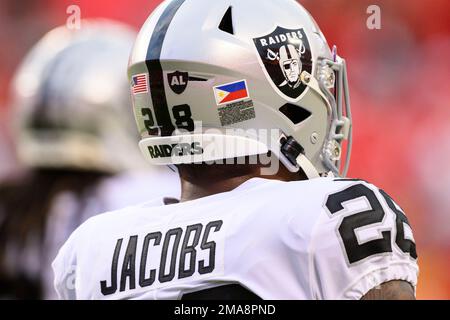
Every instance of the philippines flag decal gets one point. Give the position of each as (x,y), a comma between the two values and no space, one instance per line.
(139,83)
(231,92)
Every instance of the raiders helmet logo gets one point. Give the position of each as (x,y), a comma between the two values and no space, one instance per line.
(178,81)
(284,55)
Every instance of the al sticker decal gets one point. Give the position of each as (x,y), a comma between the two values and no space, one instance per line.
(284,54)
(178,81)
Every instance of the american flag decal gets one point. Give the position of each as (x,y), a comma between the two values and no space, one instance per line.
(139,83)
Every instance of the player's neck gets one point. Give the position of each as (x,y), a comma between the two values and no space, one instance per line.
(199,189)
(199,181)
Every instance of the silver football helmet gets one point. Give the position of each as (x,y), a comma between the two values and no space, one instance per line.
(241,68)
(71,101)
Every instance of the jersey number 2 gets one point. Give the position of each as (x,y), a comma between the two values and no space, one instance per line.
(355,251)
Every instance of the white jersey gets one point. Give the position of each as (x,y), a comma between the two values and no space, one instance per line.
(319,239)
(68,211)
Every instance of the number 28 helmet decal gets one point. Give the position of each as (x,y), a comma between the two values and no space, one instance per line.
(207,76)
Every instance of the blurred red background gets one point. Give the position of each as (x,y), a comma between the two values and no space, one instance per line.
(399,89)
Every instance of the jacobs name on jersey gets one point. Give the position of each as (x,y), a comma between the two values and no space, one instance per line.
(175,258)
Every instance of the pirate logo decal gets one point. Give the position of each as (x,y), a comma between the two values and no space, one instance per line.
(284,55)
(178,81)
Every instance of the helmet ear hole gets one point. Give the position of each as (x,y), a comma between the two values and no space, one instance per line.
(226,25)
(295,113)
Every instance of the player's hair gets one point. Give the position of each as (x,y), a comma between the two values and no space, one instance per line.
(25,203)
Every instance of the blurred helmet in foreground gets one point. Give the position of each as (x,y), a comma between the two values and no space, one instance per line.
(71,101)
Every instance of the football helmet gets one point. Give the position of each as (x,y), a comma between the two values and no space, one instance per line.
(211,79)
(71,101)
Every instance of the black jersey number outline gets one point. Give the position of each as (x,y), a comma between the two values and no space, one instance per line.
(406,245)
(354,251)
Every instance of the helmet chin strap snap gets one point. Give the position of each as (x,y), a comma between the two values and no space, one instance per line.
(307,167)
(295,153)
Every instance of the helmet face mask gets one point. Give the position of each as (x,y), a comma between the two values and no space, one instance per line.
(341,117)
(249,90)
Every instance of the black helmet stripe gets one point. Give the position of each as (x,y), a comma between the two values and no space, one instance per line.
(156,75)
(289,56)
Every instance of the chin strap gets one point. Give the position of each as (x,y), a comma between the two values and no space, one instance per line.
(295,153)
(307,167)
